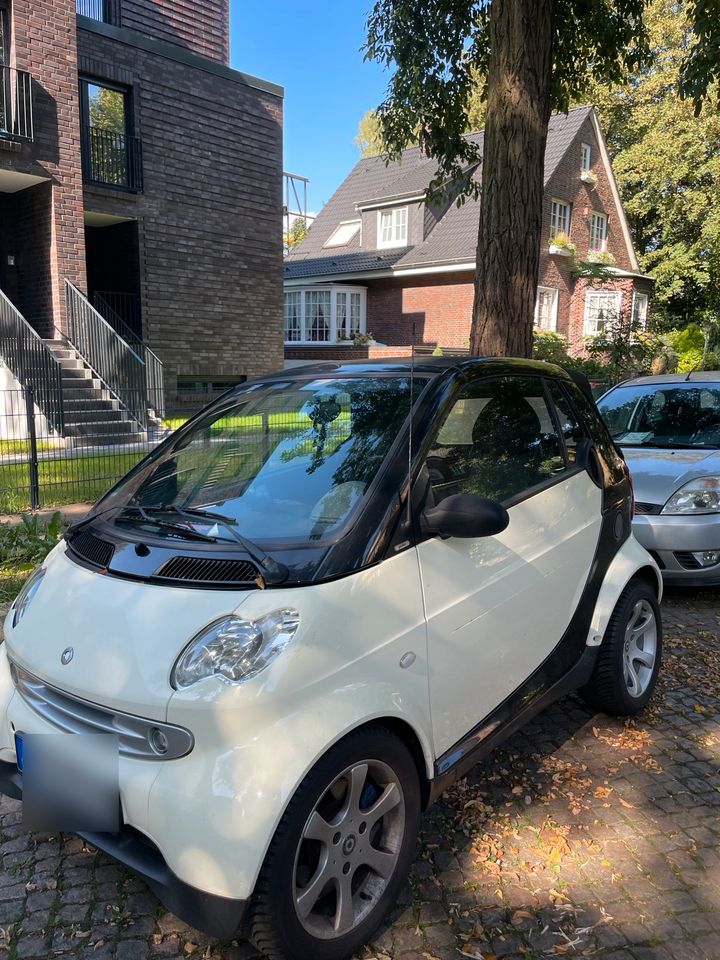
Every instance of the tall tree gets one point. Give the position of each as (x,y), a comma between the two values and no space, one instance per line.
(537,55)
(667,163)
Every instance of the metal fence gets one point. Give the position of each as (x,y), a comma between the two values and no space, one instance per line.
(43,467)
(16,106)
(106,11)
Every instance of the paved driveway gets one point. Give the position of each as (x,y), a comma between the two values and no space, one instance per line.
(582,836)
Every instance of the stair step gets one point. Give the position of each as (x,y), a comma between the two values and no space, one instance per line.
(104,426)
(96,415)
(76,373)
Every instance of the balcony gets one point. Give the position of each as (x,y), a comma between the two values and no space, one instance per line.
(104,11)
(16,113)
(111,159)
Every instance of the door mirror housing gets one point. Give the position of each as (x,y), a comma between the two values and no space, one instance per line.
(466,515)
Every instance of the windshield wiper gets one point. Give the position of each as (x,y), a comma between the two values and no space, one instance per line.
(145,517)
(274,571)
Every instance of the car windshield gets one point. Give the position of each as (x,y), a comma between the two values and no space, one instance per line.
(664,415)
(282,461)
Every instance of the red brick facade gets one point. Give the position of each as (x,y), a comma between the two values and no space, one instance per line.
(201,241)
(430,307)
(44,221)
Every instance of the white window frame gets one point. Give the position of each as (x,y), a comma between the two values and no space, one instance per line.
(345,291)
(638,298)
(608,296)
(560,217)
(343,230)
(552,319)
(598,238)
(585,157)
(396,235)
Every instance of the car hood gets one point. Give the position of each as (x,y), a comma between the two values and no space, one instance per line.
(125,634)
(657,474)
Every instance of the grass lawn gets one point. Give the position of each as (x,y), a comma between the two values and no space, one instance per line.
(12,579)
(67,480)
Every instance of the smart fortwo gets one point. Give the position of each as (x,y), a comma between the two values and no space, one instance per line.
(309,610)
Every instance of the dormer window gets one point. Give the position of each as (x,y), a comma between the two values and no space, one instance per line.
(393,227)
(343,234)
(585,157)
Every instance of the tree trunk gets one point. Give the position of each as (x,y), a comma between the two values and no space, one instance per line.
(511,203)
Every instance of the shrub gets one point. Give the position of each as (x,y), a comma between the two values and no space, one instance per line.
(29,541)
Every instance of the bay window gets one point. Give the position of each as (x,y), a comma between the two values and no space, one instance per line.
(324,314)
(602,309)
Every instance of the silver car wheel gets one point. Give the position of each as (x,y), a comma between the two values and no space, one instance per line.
(640,648)
(349,849)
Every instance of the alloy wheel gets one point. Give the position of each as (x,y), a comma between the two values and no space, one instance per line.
(640,648)
(349,849)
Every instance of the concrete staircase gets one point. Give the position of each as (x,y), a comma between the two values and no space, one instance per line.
(93,417)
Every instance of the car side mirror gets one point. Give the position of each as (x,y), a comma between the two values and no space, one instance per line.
(466,515)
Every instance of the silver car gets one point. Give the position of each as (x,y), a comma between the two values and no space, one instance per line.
(669,430)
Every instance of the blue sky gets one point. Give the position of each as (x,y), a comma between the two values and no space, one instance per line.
(312,48)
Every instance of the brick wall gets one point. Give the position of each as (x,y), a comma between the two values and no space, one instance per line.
(43,43)
(438,311)
(203,28)
(210,216)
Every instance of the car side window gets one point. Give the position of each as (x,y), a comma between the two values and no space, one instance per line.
(570,425)
(498,440)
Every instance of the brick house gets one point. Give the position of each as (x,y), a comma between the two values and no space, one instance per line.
(140,200)
(380,259)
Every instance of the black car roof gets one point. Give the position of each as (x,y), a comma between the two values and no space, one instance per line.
(425,366)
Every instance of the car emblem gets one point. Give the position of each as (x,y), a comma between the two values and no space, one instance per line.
(66,656)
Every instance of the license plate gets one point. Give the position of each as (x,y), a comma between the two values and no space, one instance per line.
(19,750)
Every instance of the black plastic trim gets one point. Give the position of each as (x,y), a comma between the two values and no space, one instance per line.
(217,916)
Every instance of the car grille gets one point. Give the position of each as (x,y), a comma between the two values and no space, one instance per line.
(91,548)
(137,736)
(208,571)
(647,507)
(688,561)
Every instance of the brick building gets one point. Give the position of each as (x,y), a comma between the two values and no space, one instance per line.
(380,259)
(140,188)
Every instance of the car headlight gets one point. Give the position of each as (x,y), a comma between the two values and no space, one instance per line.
(235,649)
(697,496)
(22,601)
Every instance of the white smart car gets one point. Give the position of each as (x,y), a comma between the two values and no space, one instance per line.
(307,612)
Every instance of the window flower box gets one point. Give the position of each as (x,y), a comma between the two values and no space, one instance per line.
(587,176)
(561,246)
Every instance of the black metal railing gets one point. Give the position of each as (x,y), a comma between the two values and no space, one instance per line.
(106,11)
(154,378)
(125,306)
(120,367)
(16,106)
(31,362)
(112,159)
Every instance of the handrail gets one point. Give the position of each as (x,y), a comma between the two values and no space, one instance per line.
(114,361)
(16,105)
(31,362)
(153,364)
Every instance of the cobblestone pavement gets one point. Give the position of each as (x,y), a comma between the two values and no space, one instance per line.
(582,836)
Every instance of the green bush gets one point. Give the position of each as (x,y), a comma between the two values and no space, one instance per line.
(550,346)
(29,541)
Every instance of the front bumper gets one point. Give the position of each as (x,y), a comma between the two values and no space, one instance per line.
(672,540)
(218,916)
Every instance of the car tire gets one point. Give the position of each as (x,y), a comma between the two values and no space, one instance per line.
(340,853)
(629,658)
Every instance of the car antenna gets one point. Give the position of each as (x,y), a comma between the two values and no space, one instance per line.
(692,371)
(410,428)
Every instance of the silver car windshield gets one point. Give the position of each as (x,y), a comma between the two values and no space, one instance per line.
(664,415)
(285,461)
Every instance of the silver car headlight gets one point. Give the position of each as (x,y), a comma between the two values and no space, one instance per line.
(234,649)
(22,601)
(698,496)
